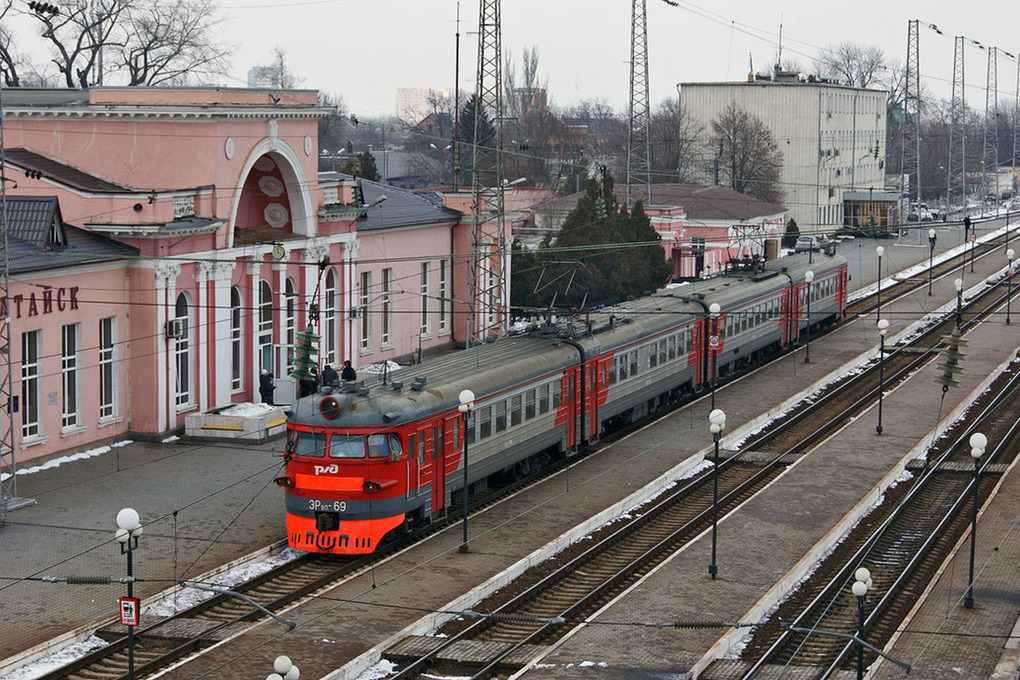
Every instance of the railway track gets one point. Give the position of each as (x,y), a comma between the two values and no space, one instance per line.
(514,629)
(166,641)
(914,535)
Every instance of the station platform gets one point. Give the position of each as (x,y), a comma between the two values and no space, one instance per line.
(207,505)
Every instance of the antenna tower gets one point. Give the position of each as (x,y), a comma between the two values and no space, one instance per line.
(989,155)
(8,458)
(639,150)
(489,296)
(911,149)
(956,170)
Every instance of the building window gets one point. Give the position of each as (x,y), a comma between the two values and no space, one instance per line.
(31,389)
(443,295)
(69,369)
(366,326)
(387,305)
(236,332)
(265,326)
(107,366)
(424,298)
(182,353)
(329,319)
(290,324)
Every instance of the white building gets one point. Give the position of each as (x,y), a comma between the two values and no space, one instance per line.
(832,138)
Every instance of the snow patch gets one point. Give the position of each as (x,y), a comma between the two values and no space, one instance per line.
(57,462)
(52,662)
(246,410)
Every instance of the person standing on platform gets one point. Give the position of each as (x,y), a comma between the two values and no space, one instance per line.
(310,387)
(266,387)
(329,376)
(348,374)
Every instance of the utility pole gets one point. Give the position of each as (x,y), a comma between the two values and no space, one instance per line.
(956,171)
(911,150)
(639,179)
(489,296)
(989,154)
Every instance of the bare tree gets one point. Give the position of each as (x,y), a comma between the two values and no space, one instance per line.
(855,65)
(676,146)
(746,157)
(165,42)
(9,60)
(78,34)
(285,77)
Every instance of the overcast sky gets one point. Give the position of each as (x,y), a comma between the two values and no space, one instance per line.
(365,49)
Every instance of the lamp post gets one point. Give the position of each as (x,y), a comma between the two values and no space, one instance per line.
(128,531)
(717,422)
(931,255)
(1009,280)
(284,669)
(879,251)
(883,326)
(713,345)
(977,449)
(809,276)
(958,284)
(862,584)
(973,242)
(467,405)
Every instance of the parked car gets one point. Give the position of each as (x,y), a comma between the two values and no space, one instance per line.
(806,244)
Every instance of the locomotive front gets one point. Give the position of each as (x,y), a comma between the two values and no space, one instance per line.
(345,475)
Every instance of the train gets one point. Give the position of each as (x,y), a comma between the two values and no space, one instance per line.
(370,459)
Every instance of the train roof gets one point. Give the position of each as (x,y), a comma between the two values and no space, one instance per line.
(544,349)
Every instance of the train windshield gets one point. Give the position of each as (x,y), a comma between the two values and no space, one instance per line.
(310,444)
(355,446)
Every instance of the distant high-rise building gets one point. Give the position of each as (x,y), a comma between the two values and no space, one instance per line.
(416,103)
(263,76)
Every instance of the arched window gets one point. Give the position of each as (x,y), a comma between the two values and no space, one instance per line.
(330,319)
(265,326)
(182,351)
(290,323)
(236,348)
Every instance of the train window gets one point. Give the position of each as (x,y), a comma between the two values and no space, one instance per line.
(437,436)
(456,431)
(485,422)
(557,398)
(543,398)
(688,341)
(341,446)
(470,432)
(653,358)
(611,372)
(500,410)
(310,444)
(529,404)
(633,363)
(621,362)
(378,446)
(395,447)
(411,443)
(671,347)
(515,410)
(422,436)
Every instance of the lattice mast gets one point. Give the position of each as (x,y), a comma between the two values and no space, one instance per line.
(911,149)
(956,168)
(8,457)
(639,150)
(990,147)
(489,292)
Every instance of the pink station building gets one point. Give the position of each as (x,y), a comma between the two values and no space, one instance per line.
(166,245)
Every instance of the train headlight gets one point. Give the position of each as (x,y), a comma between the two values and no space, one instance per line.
(369,486)
(329,408)
(284,481)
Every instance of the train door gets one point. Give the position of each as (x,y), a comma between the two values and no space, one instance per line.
(567,398)
(452,445)
(425,456)
(591,401)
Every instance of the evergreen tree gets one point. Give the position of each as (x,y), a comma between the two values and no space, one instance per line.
(364,167)
(792,232)
(466,133)
(630,263)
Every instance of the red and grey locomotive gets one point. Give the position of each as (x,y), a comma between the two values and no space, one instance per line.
(369,458)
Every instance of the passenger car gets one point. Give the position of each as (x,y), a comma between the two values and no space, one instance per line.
(807,243)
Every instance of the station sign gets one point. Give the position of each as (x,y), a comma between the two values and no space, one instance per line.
(128,611)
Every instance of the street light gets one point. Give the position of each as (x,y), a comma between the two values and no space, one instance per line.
(973,242)
(862,584)
(931,255)
(809,276)
(977,449)
(958,284)
(883,326)
(879,251)
(717,422)
(713,345)
(1009,280)
(467,404)
(129,529)
(285,669)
